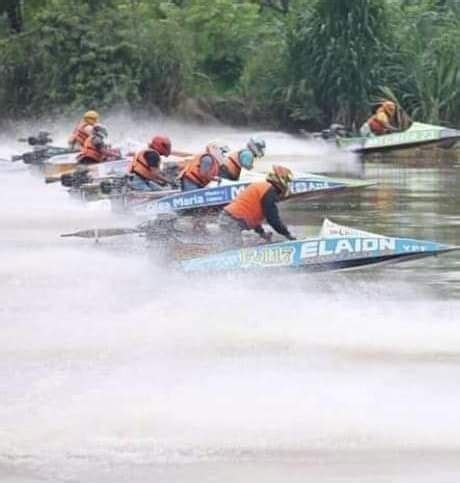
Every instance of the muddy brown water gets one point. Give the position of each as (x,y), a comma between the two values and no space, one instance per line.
(115,369)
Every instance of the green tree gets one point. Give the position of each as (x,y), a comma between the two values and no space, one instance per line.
(338,47)
(425,70)
(289,63)
(13,10)
(224,33)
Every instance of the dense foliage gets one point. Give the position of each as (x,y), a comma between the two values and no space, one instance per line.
(295,63)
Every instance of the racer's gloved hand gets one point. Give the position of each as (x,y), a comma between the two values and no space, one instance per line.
(267,236)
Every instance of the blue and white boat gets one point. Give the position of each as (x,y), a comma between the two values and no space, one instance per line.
(219,195)
(337,247)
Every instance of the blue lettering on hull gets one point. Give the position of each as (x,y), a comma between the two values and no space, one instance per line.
(222,195)
(312,252)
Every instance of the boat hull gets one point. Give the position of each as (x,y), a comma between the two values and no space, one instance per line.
(417,135)
(333,251)
(219,196)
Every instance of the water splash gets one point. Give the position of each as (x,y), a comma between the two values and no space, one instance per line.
(109,360)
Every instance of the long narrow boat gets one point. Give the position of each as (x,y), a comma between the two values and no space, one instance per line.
(68,164)
(418,134)
(214,196)
(337,247)
(219,195)
(60,164)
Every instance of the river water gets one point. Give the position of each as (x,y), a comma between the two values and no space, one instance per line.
(114,369)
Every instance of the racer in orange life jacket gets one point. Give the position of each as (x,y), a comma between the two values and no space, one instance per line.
(199,170)
(381,122)
(234,161)
(256,204)
(95,150)
(83,129)
(145,166)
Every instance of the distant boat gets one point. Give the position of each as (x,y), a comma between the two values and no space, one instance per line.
(417,134)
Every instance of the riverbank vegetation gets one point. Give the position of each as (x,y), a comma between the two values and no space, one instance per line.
(280,63)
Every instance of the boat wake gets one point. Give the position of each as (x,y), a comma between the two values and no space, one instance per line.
(110,362)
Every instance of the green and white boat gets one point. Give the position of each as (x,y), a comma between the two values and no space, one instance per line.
(417,134)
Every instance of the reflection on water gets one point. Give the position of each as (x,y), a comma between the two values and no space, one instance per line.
(417,203)
(114,369)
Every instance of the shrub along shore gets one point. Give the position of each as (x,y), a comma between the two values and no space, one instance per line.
(291,64)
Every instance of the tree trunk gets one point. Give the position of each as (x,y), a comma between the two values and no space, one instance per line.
(14,13)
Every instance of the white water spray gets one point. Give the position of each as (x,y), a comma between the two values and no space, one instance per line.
(109,361)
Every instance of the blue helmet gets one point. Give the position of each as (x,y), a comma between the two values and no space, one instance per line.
(246,159)
(257,145)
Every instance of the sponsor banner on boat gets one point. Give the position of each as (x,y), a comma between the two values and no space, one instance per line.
(201,198)
(416,136)
(222,195)
(311,252)
(272,256)
(305,185)
(373,246)
(276,255)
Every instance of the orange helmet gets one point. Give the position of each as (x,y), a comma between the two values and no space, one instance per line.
(280,177)
(389,107)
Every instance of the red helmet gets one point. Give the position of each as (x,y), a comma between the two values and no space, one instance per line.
(161,144)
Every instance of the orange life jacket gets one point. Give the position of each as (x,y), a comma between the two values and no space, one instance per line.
(80,133)
(247,206)
(90,151)
(233,166)
(141,167)
(193,173)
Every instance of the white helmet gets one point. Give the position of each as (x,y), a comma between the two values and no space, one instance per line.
(257,145)
(217,150)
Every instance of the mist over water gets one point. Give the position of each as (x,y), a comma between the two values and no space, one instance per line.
(113,368)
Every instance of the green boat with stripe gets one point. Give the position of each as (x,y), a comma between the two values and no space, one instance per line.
(417,134)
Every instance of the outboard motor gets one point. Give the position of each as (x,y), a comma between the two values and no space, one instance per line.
(116,185)
(334,131)
(162,227)
(39,154)
(161,234)
(76,179)
(41,139)
(338,130)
